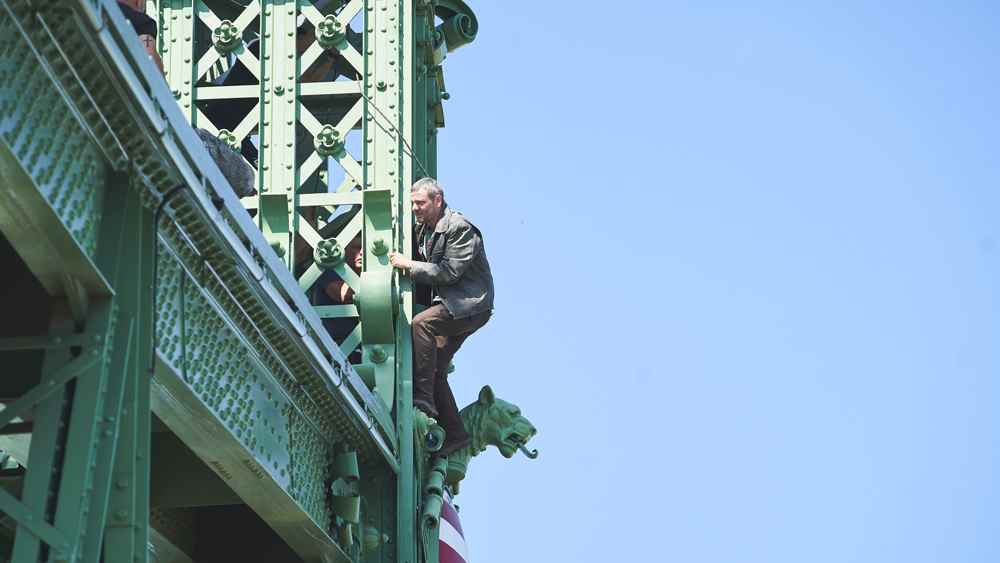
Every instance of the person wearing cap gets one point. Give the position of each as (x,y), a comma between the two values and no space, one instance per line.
(453,262)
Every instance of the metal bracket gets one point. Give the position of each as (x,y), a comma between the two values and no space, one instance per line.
(274,222)
(76,297)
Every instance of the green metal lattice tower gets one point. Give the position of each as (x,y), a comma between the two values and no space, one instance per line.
(355,137)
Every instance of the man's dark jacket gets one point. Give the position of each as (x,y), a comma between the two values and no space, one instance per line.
(456,265)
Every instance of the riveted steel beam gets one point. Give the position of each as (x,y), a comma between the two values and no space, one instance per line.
(51,168)
(263,482)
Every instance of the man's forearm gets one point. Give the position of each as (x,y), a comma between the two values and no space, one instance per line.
(149,42)
(433,274)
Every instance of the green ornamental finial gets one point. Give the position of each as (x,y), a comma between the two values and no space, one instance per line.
(372,539)
(228,137)
(330,33)
(428,432)
(328,254)
(346,501)
(226,37)
(328,142)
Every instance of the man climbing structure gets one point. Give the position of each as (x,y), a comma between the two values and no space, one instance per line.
(453,262)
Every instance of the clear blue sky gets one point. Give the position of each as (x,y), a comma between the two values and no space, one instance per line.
(747,261)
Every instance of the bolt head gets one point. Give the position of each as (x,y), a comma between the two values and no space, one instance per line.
(228,137)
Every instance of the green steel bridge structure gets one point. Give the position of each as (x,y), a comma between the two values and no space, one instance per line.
(170,391)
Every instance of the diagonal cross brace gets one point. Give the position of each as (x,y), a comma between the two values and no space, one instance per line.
(28,520)
(58,378)
(39,342)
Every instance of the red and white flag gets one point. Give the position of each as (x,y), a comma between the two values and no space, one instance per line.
(452,543)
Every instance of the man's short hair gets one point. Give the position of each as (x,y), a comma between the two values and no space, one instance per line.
(428,185)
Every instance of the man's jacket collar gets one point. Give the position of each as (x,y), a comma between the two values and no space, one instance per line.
(444,221)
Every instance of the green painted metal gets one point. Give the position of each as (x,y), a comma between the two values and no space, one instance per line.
(242,376)
(490,421)
(303,125)
(58,499)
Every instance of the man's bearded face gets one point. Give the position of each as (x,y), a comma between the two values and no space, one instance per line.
(425,207)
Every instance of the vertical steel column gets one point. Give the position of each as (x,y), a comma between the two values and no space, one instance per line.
(382,190)
(388,87)
(127,532)
(421,64)
(176,38)
(280,92)
(118,372)
(86,434)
